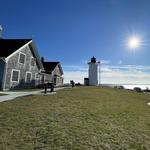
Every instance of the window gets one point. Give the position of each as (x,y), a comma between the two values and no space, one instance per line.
(28,77)
(32,61)
(22,58)
(15,75)
(36,76)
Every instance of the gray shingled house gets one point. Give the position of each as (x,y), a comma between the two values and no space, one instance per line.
(55,71)
(20,64)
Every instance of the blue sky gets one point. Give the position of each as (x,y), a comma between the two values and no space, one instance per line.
(72,31)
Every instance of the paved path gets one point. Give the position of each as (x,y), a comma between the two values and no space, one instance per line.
(12,95)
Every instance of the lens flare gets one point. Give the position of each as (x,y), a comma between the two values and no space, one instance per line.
(134,42)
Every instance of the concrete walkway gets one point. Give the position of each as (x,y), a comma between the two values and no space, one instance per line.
(12,95)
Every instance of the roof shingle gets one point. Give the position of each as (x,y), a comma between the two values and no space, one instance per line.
(50,66)
(8,46)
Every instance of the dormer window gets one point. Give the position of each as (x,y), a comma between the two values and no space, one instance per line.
(22,58)
(32,61)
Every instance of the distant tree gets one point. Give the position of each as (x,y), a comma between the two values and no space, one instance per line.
(137,89)
(78,84)
(72,83)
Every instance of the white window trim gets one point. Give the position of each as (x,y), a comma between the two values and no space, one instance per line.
(31,60)
(12,75)
(19,58)
(26,77)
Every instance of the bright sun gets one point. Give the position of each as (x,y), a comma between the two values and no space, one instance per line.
(133,42)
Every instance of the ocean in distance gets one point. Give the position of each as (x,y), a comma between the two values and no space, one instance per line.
(130,86)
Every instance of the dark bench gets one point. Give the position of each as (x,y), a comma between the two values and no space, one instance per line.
(48,85)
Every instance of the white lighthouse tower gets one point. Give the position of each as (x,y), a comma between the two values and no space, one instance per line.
(93,72)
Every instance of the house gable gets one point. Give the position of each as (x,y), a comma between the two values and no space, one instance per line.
(52,67)
(58,70)
(33,49)
(55,71)
(26,53)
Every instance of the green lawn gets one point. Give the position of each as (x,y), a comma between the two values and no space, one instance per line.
(79,119)
(1,94)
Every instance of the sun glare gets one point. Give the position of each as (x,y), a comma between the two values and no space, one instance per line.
(133,42)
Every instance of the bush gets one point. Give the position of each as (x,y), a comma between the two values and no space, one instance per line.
(137,89)
(78,84)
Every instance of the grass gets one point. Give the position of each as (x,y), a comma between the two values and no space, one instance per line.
(87,118)
(1,94)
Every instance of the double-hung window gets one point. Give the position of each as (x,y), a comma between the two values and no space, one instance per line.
(32,63)
(15,75)
(28,77)
(22,58)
